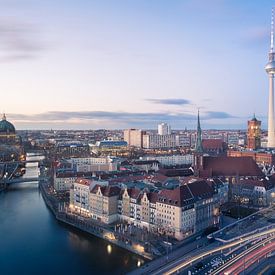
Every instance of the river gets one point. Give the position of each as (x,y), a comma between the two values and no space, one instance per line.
(33,242)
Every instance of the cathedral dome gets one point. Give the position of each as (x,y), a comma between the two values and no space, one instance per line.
(6,127)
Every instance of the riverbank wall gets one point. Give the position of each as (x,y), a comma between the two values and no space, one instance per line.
(96,230)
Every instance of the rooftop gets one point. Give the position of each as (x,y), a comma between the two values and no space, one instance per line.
(230,166)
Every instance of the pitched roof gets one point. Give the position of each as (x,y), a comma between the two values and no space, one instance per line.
(175,172)
(134,193)
(200,189)
(153,197)
(267,184)
(209,144)
(110,191)
(230,166)
(107,191)
(83,181)
(177,197)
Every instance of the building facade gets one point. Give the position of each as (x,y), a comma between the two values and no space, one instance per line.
(80,196)
(265,158)
(179,212)
(134,137)
(164,129)
(171,160)
(104,203)
(253,134)
(72,149)
(63,182)
(101,164)
(151,141)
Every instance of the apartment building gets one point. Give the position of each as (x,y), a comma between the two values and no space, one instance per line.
(104,203)
(80,196)
(134,137)
(171,160)
(159,141)
(64,181)
(104,164)
(180,212)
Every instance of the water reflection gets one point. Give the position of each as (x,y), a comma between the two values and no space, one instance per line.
(38,244)
(109,249)
(78,242)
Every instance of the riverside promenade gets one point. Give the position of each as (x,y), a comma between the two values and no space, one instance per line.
(87,225)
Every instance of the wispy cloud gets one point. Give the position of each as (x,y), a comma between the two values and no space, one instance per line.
(18,40)
(119,119)
(169,101)
(100,115)
(217,115)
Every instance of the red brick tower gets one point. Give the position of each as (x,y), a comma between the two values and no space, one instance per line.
(254,134)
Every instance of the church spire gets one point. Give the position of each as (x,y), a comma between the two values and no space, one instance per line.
(4,117)
(199,148)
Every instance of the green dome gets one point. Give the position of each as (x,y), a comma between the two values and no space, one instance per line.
(6,126)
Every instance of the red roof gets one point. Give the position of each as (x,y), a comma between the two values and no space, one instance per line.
(230,166)
(177,197)
(200,189)
(211,144)
(134,193)
(107,191)
(153,197)
(152,178)
(267,184)
(83,181)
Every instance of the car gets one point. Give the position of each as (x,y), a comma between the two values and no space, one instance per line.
(199,265)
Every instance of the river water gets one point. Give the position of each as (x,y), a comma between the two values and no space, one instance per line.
(33,242)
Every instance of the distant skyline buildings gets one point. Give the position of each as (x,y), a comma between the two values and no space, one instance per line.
(116,65)
(164,129)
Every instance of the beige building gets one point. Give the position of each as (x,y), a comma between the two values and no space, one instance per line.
(104,203)
(94,164)
(80,196)
(138,207)
(134,137)
(180,212)
(63,182)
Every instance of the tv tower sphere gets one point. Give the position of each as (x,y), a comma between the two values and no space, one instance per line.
(270,67)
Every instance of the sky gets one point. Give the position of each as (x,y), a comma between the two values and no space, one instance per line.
(116,64)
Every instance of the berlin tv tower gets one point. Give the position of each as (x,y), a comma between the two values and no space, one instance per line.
(270,69)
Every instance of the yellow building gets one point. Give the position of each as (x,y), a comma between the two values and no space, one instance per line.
(104,203)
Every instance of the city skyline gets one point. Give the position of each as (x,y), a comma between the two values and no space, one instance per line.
(100,64)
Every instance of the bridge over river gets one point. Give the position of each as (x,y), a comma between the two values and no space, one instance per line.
(30,176)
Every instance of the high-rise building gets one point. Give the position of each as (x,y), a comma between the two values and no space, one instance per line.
(159,141)
(254,134)
(164,129)
(134,137)
(270,69)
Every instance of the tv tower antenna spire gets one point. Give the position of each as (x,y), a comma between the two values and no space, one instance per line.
(272,32)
